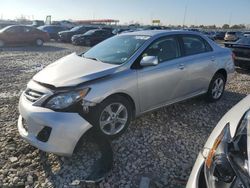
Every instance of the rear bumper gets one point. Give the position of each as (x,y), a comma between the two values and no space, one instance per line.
(66,128)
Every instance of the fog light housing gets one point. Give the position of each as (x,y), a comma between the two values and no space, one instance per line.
(44,134)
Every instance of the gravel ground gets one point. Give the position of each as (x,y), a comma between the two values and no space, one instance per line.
(161,145)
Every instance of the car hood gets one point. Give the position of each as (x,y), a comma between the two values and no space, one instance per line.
(67,32)
(73,70)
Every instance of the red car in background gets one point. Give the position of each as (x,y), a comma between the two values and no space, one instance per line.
(20,34)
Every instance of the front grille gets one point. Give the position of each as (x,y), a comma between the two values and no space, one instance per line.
(32,95)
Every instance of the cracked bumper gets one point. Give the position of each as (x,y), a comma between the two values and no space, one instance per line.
(66,128)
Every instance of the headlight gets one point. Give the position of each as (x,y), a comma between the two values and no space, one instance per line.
(64,100)
(229,157)
(223,136)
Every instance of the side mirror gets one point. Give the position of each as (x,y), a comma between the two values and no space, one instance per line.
(149,61)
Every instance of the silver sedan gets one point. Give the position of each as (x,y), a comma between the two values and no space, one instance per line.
(117,80)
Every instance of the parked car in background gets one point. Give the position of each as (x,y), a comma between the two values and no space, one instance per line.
(208,34)
(220,35)
(233,36)
(66,36)
(247,34)
(119,30)
(224,160)
(154,27)
(91,37)
(241,50)
(116,80)
(53,30)
(37,23)
(65,24)
(20,34)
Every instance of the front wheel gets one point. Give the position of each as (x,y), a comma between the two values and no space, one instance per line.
(216,88)
(112,116)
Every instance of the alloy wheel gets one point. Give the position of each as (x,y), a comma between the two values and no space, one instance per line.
(39,42)
(218,88)
(113,118)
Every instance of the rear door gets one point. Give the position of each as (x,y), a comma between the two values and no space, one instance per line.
(29,34)
(199,63)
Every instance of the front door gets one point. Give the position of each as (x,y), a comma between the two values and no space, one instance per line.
(161,83)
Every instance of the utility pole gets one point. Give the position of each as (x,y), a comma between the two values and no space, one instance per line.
(185,14)
(230,19)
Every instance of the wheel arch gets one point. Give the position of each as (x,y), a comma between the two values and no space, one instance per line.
(128,97)
(223,72)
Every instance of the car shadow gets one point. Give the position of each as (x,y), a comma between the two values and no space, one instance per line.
(30,48)
(86,171)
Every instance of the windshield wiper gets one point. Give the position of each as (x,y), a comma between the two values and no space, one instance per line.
(93,58)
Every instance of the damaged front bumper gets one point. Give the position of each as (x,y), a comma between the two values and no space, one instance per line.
(50,131)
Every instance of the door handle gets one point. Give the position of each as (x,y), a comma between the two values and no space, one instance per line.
(181,66)
(212,58)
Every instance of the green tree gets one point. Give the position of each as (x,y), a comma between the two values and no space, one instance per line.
(225,26)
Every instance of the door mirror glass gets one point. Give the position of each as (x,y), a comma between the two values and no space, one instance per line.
(149,61)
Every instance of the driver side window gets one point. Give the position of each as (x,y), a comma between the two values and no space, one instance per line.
(165,49)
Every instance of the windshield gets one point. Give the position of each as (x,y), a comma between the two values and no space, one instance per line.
(90,32)
(244,41)
(5,28)
(76,28)
(116,50)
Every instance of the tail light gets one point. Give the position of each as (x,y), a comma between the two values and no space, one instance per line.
(233,56)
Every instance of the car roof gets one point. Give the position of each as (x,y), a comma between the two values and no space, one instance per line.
(160,32)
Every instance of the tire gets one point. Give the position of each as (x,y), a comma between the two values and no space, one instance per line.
(106,116)
(39,42)
(216,88)
(2,44)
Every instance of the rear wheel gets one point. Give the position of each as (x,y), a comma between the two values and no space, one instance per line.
(2,44)
(39,42)
(112,116)
(216,88)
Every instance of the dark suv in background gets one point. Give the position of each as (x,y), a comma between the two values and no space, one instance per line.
(92,37)
(65,36)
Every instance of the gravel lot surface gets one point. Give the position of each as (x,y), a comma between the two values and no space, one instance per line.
(161,145)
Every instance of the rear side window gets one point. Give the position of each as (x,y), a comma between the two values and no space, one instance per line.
(16,29)
(165,49)
(195,45)
(28,29)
